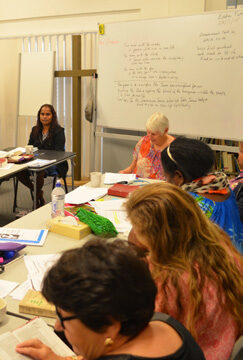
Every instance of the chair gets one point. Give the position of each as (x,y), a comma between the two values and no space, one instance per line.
(16,183)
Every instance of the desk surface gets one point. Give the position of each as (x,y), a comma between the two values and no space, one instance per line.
(5,173)
(58,156)
(17,271)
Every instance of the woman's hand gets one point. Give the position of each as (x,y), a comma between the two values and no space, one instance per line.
(123,172)
(37,350)
(130,168)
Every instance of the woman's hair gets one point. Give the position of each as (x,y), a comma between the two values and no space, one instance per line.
(192,157)
(100,282)
(54,122)
(181,239)
(157,122)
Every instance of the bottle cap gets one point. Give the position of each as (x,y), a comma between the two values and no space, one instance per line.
(58,183)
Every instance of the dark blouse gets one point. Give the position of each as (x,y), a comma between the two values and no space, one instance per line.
(189,349)
(55,142)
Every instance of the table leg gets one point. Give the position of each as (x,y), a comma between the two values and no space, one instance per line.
(35,188)
(72,173)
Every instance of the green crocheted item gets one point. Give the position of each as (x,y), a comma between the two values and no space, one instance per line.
(100,225)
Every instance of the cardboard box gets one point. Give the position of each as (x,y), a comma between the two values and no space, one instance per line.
(74,231)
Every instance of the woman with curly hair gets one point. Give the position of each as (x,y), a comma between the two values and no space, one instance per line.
(197,270)
(49,135)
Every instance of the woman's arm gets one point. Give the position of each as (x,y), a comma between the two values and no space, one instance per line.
(130,168)
(59,139)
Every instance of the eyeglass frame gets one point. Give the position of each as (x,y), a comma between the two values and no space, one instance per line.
(62,319)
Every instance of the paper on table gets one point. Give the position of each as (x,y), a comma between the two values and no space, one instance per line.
(3,153)
(40,162)
(6,287)
(7,167)
(84,194)
(21,290)
(114,211)
(37,266)
(118,219)
(23,236)
(112,178)
(115,204)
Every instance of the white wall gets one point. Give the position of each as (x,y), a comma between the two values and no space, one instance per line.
(28,17)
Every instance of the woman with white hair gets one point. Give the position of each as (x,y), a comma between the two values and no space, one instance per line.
(147,153)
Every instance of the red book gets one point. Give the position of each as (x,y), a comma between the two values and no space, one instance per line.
(122,190)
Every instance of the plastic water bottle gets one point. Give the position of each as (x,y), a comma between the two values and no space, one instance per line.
(57,200)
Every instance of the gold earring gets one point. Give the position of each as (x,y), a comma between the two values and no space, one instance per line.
(108,341)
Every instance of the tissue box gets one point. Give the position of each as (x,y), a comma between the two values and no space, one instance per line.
(78,231)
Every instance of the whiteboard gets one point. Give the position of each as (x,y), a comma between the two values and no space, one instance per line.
(36,81)
(190,68)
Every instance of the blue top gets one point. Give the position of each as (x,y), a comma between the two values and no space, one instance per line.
(225,214)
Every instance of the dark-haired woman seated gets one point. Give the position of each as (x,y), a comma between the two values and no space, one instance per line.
(49,135)
(189,164)
(104,297)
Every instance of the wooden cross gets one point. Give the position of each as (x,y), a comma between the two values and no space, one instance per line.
(76,73)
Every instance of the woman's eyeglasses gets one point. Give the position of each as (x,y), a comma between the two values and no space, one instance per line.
(62,319)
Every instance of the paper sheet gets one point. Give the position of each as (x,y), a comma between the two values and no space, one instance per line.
(84,194)
(114,211)
(112,178)
(7,167)
(23,236)
(6,287)
(21,290)
(118,219)
(115,204)
(37,266)
(40,162)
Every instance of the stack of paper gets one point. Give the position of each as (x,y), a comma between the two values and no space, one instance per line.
(112,178)
(84,194)
(40,162)
(37,266)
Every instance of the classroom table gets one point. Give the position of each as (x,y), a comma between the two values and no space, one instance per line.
(17,271)
(54,243)
(8,173)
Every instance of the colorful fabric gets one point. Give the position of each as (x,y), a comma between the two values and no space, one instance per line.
(216,328)
(225,214)
(237,186)
(237,180)
(214,183)
(148,160)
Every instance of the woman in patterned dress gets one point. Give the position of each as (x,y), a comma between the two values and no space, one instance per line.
(147,153)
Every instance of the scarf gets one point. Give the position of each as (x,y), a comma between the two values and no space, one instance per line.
(214,183)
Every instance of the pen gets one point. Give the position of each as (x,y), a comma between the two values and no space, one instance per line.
(18,258)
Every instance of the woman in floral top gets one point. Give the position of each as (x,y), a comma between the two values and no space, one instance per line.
(147,153)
